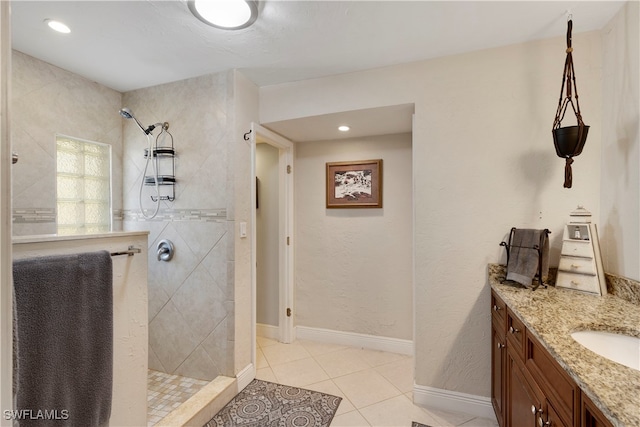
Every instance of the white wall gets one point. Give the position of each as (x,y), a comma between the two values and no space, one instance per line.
(620,197)
(245,109)
(353,266)
(484,162)
(6,312)
(130,329)
(268,235)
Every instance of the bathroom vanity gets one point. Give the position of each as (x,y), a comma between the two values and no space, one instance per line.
(541,376)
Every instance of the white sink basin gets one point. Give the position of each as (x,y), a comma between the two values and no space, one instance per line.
(623,349)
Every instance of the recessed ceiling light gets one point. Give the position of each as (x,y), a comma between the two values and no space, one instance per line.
(57,26)
(343,128)
(225,14)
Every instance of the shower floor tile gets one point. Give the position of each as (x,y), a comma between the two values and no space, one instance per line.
(166,392)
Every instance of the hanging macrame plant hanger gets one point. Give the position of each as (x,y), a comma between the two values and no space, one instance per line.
(569,141)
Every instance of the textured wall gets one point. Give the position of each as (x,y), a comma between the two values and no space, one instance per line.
(484,162)
(620,227)
(130,330)
(47,100)
(6,291)
(353,266)
(245,111)
(191,297)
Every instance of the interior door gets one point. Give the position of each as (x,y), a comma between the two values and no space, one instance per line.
(286,309)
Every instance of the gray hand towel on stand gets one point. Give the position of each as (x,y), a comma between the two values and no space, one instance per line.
(523,261)
(64,339)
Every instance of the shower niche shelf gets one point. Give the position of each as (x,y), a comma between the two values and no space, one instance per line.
(164,158)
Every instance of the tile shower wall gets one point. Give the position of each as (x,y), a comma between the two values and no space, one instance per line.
(190,297)
(47,100)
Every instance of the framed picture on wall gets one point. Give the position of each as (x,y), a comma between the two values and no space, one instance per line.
(356,184)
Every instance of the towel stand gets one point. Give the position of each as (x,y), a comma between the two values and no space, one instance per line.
(537,248)
(129,252)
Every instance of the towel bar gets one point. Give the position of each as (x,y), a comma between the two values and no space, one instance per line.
(536,248)
(129,252)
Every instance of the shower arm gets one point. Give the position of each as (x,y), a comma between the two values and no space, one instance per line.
(139,125)
(164,126)
(127,114)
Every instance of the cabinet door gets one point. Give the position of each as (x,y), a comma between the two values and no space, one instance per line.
(515,335)
(524,401)
(552,419)
(559,389)
(591,415)
(590,419)
(498,371)
(498,308)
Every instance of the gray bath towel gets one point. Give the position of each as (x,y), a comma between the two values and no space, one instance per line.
(64,339)
(523,262)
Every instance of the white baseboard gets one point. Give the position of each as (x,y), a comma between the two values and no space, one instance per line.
(245,376)
(371,342)
(453,401)
(267,331)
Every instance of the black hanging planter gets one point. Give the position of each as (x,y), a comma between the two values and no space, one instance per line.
(569,141)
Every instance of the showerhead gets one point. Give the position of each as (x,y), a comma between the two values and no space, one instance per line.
(127,114)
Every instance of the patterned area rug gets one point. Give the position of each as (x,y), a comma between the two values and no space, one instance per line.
(265,404)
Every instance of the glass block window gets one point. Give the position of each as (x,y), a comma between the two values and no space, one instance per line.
(83,186)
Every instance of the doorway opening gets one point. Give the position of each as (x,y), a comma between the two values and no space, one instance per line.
(272,235)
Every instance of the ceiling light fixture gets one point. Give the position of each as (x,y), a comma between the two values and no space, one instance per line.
(343,128)
(225,14)
(57,26)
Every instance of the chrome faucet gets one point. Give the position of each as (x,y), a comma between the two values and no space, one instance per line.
(165,250)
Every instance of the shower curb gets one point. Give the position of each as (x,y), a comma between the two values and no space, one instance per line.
(203,405)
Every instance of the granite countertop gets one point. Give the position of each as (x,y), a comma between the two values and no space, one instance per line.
(17,240)
(552,314)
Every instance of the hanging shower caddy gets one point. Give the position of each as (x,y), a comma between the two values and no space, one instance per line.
(165,166)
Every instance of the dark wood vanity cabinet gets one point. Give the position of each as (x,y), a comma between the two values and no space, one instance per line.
(498,379)
(590,415)
(524,398)
(528,387)
(562,395)
(498,357)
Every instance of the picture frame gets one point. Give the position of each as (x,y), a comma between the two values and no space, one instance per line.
(354,184)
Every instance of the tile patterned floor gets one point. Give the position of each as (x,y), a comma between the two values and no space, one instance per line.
(376,387)
(165,392)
